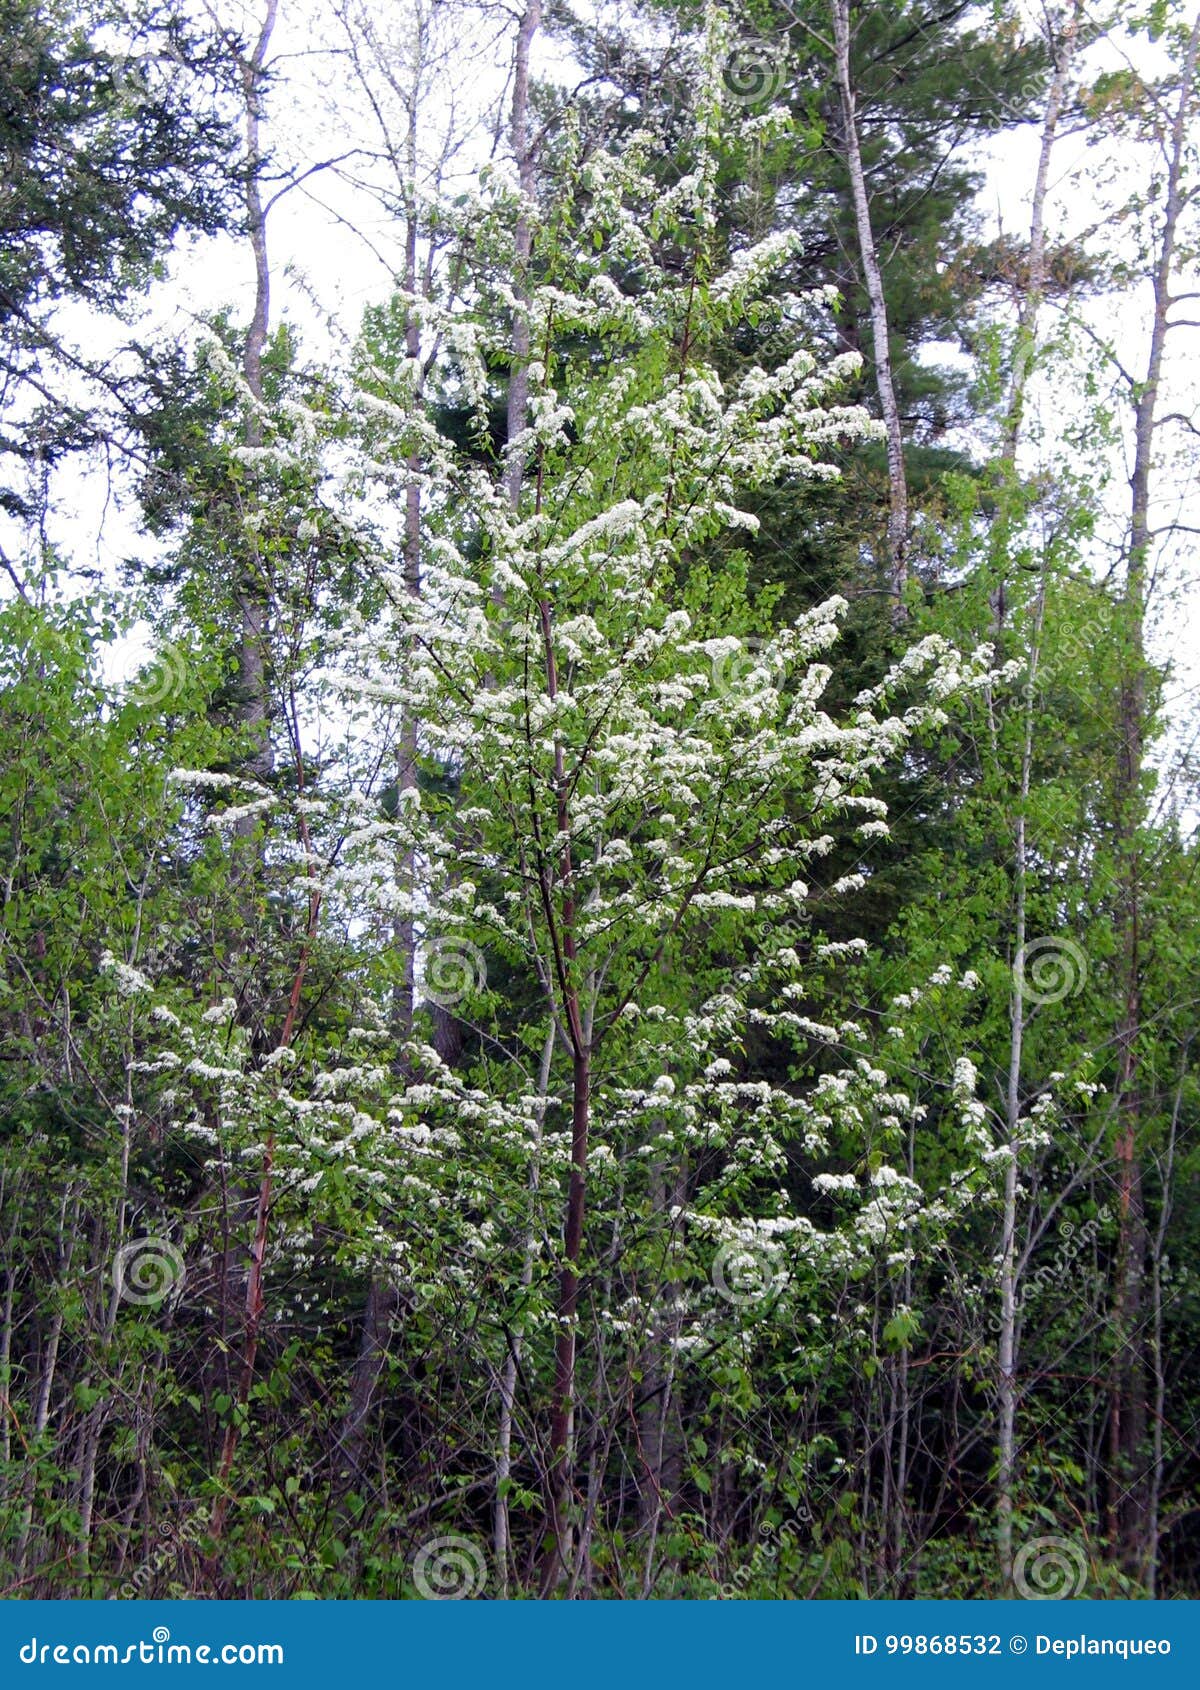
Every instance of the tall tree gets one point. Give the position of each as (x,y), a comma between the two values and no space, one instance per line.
(1171,112)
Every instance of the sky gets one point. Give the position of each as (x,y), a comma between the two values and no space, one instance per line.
(335,246)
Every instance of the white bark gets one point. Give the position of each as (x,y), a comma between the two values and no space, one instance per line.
(897,525)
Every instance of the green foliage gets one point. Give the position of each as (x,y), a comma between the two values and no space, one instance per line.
(298,974)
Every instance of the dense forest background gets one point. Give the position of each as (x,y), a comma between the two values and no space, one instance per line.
(598,906)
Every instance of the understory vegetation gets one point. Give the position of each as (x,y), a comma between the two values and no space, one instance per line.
(598,904)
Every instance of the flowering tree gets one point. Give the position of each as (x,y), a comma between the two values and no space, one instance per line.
(640,785)
(530,1033)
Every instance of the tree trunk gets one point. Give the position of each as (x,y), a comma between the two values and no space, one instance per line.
(1027,325)
(501,1535)
(1127,1510)
(556,1561)
(253,591)
(383,1299)
(1154,1499)
(522,148)
(897,524)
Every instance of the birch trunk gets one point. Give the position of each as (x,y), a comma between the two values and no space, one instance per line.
(253,592)
(1027,325)
(523,155)
(897,523)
